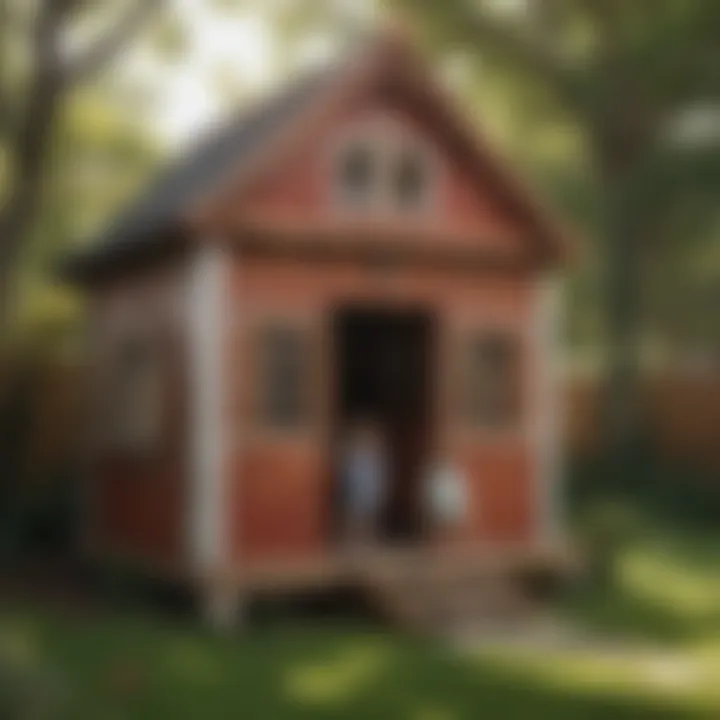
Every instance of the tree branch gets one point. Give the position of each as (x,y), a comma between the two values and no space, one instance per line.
(7,123)
(8,94)
(606,16)
(29,147)
(107,47)
(486,30)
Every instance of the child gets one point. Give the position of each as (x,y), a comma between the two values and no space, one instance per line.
(363,479)
(446,497)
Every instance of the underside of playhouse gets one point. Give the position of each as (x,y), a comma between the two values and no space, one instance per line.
(278,313)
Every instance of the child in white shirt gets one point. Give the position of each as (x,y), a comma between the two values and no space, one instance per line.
(445,496)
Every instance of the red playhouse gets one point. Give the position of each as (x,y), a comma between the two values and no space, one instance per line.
(349,246)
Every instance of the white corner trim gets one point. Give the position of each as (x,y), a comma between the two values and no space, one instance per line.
(207,314)
(547,435)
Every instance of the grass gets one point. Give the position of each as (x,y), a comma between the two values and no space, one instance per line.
(137,666)
(657,632)
(669,591)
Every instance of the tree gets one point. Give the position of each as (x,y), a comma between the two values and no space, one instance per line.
(623,73)
(38,74)
(622,76)
(102,153)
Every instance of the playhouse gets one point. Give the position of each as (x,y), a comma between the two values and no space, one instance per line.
(350,246)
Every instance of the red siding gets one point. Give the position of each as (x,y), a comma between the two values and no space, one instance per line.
(139,503)
(299,189)
(281,483)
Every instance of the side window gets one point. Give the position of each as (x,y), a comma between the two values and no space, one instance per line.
(284,377)
(491,392)
(136,394)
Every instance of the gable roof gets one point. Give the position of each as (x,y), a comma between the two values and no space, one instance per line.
(233,145)
(183,181)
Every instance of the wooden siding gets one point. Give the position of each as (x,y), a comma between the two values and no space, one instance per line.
(464,209)
(281,487)
(138,503)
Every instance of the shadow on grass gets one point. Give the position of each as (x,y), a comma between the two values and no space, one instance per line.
(621,613)
(140,668)
(668,591)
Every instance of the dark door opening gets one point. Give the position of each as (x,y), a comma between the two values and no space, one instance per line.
(384,364)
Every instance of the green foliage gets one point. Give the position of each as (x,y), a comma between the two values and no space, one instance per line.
(102,155)
(682,494)
(170,37)
(667,589)
(604,531)
(26,691)
(584,97)
(49,50)
(617,76)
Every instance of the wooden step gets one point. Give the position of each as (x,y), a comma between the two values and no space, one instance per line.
(426,597)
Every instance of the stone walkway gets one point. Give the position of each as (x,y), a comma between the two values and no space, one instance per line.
(534,639)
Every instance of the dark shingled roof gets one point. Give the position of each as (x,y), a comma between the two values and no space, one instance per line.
(185,180)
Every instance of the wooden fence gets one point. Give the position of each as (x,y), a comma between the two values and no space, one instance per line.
(681,412)
(41,419)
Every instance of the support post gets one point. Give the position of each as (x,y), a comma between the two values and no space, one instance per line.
(221,606)
(547,433)
(208,509)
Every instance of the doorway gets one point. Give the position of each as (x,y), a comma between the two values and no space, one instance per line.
(384,364)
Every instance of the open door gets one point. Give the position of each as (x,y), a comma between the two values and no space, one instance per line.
(384,364)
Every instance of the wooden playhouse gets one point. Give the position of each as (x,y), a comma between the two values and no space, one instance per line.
(349,246)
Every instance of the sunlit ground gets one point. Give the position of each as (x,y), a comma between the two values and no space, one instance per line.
(651,649)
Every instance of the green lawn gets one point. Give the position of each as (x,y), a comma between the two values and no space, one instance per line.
(129,666)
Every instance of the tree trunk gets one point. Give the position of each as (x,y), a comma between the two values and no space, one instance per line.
(30,150)
(48,84)
(622,294)
(18,215)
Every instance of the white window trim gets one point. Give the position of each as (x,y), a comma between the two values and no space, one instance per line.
(389,138)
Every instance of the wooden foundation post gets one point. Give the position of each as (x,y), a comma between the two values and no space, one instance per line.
(221,606)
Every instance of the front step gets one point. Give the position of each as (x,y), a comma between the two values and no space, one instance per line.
(436,595)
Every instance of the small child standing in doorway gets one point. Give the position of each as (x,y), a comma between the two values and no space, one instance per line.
(363,479)
(445,497)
